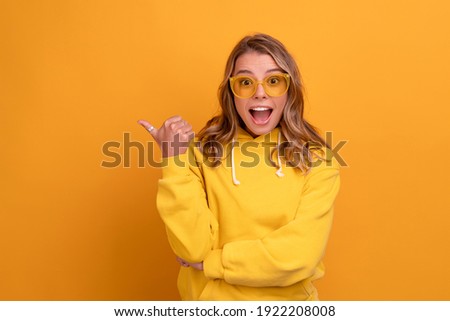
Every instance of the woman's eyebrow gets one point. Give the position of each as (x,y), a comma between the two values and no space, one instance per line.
(246,71)
(274,69)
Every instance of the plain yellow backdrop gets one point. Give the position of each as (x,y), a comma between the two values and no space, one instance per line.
(75,75)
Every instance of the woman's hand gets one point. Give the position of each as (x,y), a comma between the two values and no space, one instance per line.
(173,137)
(197,266)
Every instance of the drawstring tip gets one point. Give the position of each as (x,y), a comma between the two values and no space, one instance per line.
(236,182)
(279,173)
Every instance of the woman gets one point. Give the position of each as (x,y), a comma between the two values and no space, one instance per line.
(248,205)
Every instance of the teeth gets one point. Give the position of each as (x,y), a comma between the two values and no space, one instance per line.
(260,108)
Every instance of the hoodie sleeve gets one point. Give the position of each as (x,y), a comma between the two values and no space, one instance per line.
(289,254)
(182,204)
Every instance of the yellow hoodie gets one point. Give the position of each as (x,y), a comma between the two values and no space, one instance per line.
(259,230)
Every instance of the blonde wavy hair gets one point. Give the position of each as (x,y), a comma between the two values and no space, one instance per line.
(301,141)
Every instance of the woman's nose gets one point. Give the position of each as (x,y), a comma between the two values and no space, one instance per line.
(260,92)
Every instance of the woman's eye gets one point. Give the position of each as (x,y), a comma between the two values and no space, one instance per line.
(273,80)
(246,82)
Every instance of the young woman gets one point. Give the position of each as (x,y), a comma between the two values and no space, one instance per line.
(248,205)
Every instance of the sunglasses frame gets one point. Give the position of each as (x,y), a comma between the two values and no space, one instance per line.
(263,82)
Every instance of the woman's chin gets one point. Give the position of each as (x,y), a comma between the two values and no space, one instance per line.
(256,131)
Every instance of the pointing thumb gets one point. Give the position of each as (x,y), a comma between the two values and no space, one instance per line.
(149,127)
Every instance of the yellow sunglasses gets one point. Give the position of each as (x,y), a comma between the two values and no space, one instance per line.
(274,85)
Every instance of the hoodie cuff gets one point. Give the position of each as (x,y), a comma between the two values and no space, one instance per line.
(212,265)
(176,166)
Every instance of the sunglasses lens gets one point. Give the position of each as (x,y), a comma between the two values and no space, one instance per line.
(274,85)
(244,87)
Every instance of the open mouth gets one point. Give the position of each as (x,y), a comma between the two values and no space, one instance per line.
(260,115)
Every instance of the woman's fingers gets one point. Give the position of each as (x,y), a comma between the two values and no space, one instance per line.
(173,119)
(197,266)
(187,128)
(173,135)
(182,262)
(179,126)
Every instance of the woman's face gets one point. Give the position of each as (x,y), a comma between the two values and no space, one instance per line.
(261,113)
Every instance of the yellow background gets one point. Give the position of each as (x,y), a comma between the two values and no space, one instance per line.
(77,74)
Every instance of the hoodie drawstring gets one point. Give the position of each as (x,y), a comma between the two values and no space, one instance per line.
(233,169)
(279,172)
